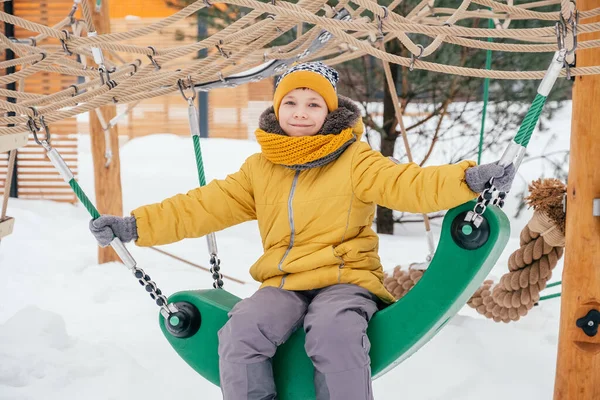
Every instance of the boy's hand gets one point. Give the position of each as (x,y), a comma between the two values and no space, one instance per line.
(477,177)
(107,227)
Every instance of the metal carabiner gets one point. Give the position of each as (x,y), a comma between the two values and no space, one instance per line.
(34,129)
(64,43)
(190,85)
(561,29)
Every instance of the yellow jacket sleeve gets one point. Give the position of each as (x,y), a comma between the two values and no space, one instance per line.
(408,187)
(216,206)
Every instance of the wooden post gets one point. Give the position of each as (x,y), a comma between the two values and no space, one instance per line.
(578,362)
(109,198)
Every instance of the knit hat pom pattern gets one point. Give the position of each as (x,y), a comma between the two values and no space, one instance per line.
(329,73)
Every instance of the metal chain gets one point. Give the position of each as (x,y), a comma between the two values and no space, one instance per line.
(150,286)
(57,161)
(490,195)
(215,268)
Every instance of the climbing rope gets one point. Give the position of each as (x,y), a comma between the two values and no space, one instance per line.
(243,44)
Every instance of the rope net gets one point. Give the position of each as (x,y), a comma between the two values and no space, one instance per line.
(248,42)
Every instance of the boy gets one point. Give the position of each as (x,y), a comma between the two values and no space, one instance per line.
(313,189)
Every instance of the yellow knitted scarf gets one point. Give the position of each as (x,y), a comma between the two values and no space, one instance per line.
(288,151)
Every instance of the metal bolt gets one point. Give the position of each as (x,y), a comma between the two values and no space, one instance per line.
(591,323)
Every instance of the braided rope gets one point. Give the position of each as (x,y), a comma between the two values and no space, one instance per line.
(542,243)
(517,291)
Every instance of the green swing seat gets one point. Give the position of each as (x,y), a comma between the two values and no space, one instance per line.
(464,258)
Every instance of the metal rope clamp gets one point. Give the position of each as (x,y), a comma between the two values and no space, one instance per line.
(221,51)
(34,128)
(411,67)
(151,57)
(190,85)
(380,20)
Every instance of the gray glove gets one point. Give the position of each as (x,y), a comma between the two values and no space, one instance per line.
(107,227)
(477,177)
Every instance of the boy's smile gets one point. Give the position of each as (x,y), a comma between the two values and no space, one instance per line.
(302,112)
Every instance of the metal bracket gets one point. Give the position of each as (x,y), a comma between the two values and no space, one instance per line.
(596,208)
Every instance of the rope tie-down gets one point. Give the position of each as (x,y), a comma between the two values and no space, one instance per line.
(530,267)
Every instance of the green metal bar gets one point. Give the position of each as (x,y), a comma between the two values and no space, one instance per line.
(199,163)
(554,284)
(84,199)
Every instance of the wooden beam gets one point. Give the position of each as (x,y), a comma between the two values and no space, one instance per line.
(578,362)
(13,141)
(109,198)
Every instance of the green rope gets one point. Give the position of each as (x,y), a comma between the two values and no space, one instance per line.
(486,87)
(84,199)
(199,163)
(530,121)
(550,296)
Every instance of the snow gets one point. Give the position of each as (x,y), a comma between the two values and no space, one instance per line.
(72,329)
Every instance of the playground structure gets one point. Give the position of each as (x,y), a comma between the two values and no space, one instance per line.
(241,46)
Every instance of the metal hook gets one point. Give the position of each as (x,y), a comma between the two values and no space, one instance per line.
(151,57)
(413,58)
(223,53)
(104,75)
(380,22)
(40,60)
(33,127)
(64,43)
(190,85)
(76,90)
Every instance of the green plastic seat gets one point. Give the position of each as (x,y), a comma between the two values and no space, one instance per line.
(395,332)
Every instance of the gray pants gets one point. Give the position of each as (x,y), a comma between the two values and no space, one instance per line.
(335,321)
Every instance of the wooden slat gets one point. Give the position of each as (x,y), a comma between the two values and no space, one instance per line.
(6,226)
(12,141)
(35,172)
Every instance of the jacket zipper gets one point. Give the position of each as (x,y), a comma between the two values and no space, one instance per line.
(292,228)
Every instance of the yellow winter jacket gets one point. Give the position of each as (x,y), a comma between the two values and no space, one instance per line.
(315,224)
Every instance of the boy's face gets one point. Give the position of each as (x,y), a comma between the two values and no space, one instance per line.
(302,112)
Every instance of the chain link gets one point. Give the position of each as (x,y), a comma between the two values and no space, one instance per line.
(215,268)
(490,195)
(150,287)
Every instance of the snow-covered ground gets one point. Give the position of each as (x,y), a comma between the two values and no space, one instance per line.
(72,329)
